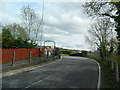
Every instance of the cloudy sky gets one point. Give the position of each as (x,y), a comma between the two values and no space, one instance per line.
(64,22)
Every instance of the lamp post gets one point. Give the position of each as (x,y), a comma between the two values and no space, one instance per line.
(54,46)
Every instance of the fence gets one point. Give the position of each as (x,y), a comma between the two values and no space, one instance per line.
(10,55)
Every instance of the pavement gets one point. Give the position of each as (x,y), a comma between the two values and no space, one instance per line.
(8,69)
(68,72)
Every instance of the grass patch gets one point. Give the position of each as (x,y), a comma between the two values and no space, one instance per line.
(108,75)
(64,55)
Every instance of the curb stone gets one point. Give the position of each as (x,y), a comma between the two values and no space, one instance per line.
(26,68)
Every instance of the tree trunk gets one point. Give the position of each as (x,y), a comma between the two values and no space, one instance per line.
(117,69)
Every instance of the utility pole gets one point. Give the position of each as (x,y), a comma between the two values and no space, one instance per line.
(41,36)
(42,23)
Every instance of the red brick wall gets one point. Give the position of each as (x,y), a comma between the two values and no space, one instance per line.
(20,54)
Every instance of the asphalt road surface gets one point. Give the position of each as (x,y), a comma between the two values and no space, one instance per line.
(69,72)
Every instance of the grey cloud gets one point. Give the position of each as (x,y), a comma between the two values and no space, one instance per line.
(69,25)
(74,8)
(54,30)
(78,45)
(66,24)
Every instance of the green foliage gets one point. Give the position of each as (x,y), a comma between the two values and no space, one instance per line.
(84,53)
(0,38)
(111,9)
(67,51)
(21,43)
(57,51)
(117,20)
(18,31)
(17,36)
(7,38)
(64,55)
(14,36)
(108,75)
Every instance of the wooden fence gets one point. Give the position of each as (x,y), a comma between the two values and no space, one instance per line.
(7,55)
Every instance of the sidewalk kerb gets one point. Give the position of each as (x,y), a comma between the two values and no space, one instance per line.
(25,69)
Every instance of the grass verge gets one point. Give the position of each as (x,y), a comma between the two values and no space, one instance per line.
(64,55)
(108,75)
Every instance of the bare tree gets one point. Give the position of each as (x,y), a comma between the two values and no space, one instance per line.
(98,9)
(31,21)
(28,18)
(100,34)
(17,31)
(37,26)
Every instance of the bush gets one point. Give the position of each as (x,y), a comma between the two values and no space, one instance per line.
(108,75)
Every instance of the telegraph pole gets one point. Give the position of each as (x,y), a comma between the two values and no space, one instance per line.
(41,32)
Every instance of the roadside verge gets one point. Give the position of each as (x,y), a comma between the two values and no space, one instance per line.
(99,75)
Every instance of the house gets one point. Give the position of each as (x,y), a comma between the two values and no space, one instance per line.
(48,51)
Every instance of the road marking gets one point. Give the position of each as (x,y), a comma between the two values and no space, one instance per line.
(39,81)
(99,77)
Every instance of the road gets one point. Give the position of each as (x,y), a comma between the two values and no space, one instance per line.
(69,72)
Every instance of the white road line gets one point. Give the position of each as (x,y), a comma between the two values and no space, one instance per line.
(99,77)
(46,77)
(39,81)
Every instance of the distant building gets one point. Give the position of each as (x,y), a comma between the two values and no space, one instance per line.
(48,51)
